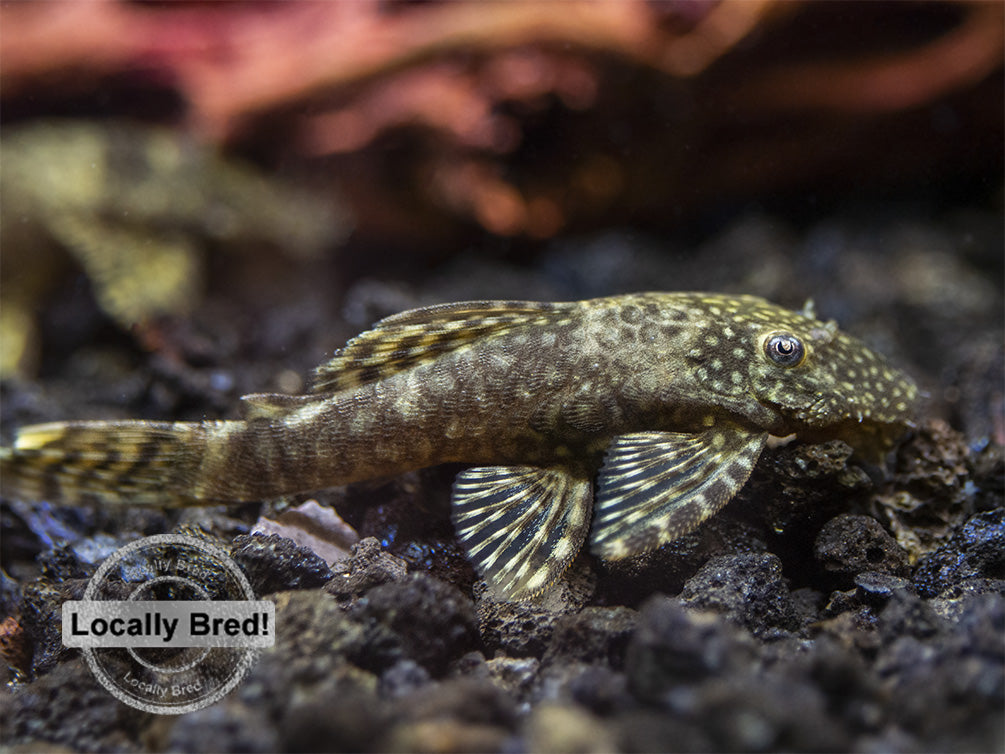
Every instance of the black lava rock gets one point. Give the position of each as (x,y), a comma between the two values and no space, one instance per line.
(337,713)
(977,550)
(276,564)
(593,635)
(850,544)
(674,645)
(42,620)
(61,564)
(433,621)
(369,566)
(516,629)
(68,706)
(226,727)
(945,680)
(876,588)
(749,589)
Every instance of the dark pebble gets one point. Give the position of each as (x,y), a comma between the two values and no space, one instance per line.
(876,588)
(593,635)
(977,550)
(749,589)
(433,621)
(276,564)
(851,544)
(674,645)
(370,565)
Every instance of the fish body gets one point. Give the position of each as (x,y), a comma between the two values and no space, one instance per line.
(627,420)
(137,208)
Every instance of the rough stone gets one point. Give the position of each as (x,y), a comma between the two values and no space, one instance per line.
(68,706)
(977,550)
(471,700)
(593,635)
(851,544)
(567,729)
(674,645)
(433,622)
(370,565)
(929,494)
(876,588)
(956,670)
(41,618)
(749,589)
(223,727)
(340,712)
(515,629)
(275,564)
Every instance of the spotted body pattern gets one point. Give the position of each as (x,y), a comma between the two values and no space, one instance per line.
(626,420)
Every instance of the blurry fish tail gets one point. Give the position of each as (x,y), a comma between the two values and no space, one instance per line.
(128,462)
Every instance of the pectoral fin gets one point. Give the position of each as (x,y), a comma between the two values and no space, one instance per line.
(657,486)
(521,526)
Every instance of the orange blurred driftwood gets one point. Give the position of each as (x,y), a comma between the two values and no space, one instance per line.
(717,97)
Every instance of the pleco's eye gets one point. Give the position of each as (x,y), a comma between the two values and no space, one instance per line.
(784,349)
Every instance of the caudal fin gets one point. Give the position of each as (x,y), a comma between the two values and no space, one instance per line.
(105,462)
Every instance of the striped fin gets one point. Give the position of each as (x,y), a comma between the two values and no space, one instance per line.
(404,340)
(657,486)
(104,462)
(521,526)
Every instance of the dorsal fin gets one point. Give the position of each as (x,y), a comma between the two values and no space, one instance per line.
(271,405)
(404,340)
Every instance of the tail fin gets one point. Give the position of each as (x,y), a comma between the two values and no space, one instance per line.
(105,462)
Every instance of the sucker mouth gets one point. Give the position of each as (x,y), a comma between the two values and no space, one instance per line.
(804,414)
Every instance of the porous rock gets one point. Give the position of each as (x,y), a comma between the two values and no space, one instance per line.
(41,617)
(592,635)
(749,589)
(370,565)
(273,563)
(675,645)
(515,629)
(801,484)
(976,551)
(68,706)
(433,621)
(851,544)
(929,494)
